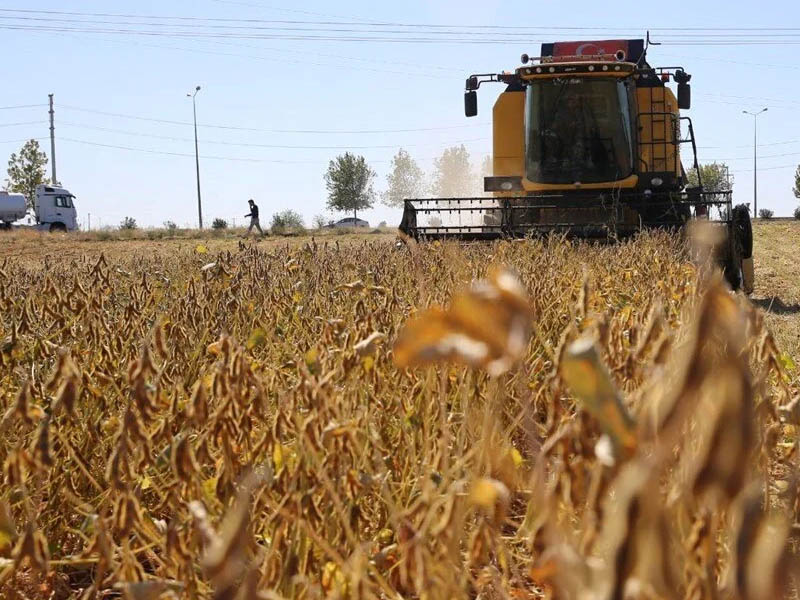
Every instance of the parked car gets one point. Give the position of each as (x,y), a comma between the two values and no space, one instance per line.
(350,222)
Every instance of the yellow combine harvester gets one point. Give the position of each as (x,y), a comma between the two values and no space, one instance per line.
(587,141)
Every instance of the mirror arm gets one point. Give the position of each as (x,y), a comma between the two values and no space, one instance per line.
(474,81)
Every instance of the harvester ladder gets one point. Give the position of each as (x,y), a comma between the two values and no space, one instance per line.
(660,122)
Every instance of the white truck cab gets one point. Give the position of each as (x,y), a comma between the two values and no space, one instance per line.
(54,208)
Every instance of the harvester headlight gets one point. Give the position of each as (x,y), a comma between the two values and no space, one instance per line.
(502,184)
(552,69)
(538,69)
(656,181)
(605,67)
(591,67)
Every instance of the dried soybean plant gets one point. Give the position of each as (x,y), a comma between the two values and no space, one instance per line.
(251,423)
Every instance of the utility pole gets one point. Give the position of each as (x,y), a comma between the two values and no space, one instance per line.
(90,221)
(197,157)
(53,140)
(755,157)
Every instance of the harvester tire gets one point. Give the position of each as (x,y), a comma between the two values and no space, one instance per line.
(738,263)
(743,229)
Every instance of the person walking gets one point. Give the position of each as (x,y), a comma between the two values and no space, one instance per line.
(253,218)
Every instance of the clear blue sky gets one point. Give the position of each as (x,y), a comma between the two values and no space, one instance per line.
(368,89)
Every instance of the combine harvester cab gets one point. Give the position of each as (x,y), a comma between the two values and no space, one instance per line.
(587,142)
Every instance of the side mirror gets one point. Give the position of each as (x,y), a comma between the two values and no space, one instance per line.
(684,96)
(470,103)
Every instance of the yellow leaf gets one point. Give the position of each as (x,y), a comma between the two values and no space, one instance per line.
(486,493)
(257,338)
(333,580)
(8,532)
(145,483)
(368,363)
(516,457)
(210,489)
(201,249)
(278,457)
(215,348)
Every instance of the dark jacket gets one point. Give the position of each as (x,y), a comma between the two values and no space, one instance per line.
(253,212)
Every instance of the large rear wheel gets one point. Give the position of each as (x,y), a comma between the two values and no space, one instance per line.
(738,263)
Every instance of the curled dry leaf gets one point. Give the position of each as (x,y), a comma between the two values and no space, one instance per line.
(487,326)
(367,347)
(590,382)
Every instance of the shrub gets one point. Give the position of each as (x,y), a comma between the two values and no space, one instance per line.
(128,223)
(382,224)
(286,220)
(170,225)
(319,221)
(797,213)
(219,224)
(765,213)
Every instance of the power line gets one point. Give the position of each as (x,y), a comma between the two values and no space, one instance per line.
(751,157)
(770,168)
(38,122)
(22,106)
(262,130)
(225,158)
(333,27)
(254,145)
(351,20)
(22,140)
(355,35)
(758,98)
(751,145)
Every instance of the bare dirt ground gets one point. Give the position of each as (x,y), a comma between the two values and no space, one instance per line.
(777,292)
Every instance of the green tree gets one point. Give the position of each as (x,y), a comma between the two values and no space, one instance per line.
(796,188)
(405,180)
(219,223)
(26,170)
(349,184)
(319,221)
(714,176)
(128,223)
(287,219)
(452,173)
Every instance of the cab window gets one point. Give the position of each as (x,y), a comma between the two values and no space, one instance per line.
(63,202)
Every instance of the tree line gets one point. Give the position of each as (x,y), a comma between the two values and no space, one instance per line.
(349,179)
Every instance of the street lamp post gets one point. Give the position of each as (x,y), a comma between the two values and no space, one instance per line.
(755,158)
(197,157)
